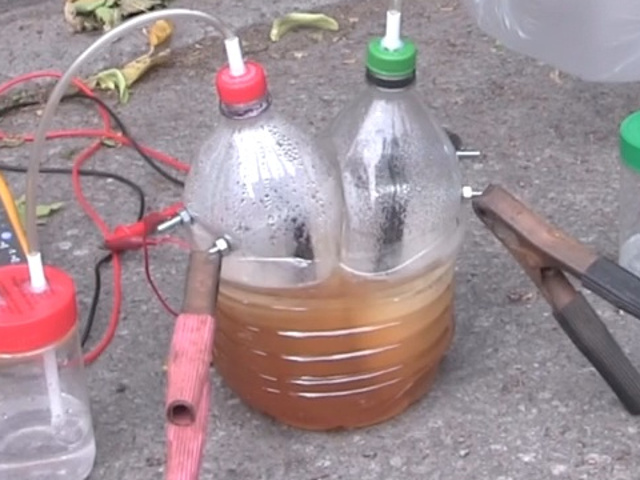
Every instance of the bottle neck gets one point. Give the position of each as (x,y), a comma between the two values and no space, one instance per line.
(246,110)
(390,84)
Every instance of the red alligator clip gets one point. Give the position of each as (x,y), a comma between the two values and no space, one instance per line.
(132,236)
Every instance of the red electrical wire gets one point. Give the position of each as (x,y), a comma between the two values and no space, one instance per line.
(147,272)
(112,326)
(111,135)
(106,119)
(83,157)
(107,131)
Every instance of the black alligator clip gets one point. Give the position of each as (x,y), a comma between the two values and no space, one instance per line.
(546,254)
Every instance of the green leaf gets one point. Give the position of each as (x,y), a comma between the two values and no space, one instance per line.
(109,17)
(84,7)
(132,7)
(281,26)
(42,211)
(109,143)
(21,207)
(112,79)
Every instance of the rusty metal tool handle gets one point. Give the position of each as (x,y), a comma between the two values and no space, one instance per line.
(186,444)
(520,228)
(545,253)
(192,342)
(189,363)
(614,284)
(592,338)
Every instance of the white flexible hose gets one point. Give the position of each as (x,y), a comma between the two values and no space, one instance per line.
(236,62)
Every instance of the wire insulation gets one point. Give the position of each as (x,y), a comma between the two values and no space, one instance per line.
(77,171)
(37,152)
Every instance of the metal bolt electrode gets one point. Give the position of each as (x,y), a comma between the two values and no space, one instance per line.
(221,246)
(183,217)
(468,192)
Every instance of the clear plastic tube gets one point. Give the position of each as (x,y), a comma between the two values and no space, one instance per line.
(53,388)
(234,54)
(395,5)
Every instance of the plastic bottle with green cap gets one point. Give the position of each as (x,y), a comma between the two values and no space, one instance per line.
(403,222)
(629,196)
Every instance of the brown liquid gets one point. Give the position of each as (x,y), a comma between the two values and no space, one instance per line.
(348,353)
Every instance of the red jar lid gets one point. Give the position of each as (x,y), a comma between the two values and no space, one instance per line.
(32,321)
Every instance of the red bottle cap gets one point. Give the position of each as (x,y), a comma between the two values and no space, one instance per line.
(32,321)
(243,89)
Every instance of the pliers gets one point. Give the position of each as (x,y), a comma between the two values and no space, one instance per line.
(547,255)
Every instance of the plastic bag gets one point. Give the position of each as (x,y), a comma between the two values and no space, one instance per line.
(595,40)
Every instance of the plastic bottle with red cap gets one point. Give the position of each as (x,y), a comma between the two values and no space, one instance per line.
(264,184)
(267,186)
(46,427)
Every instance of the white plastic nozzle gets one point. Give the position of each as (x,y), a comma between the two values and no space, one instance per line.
(392,40)
(38,282)
(234,56)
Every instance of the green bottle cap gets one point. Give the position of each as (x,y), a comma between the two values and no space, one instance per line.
(630,141)
(392,64)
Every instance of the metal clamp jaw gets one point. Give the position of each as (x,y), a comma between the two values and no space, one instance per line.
(546,254)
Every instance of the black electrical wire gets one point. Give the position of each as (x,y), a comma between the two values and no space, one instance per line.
(120,124)
(93,308)
(106,259)
(125,132)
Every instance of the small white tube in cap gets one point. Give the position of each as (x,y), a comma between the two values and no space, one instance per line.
(36,272)
(234,56)
(392,40)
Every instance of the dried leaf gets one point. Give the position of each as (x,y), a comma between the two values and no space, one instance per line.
(132,7)
(281,26)
(159,33)
(121,79)
(135,69)
(111,79)
(85,15)
(21,209)
(109,143)
(42,211)
(11,141)
(71,17)
(109,17)
(83,7)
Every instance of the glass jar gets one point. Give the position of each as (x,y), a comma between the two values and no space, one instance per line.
(46,429)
